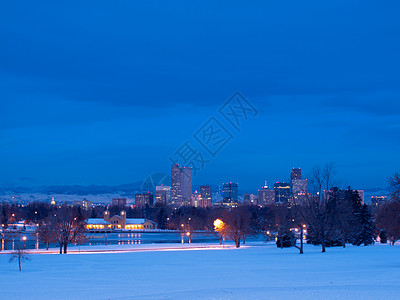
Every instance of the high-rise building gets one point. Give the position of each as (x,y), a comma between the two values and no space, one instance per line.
(299,190)
(142,199)
(120,202)
(181,185)
(206,195)
(295,174)
(86,204)
(249,199)
(176,185)
(230,194)
(282,192)
(266,196)
(187,182)
(196,200)
(163,194)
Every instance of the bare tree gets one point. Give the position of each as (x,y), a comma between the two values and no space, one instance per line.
(46,234)
(67,224)
(244,214)
(20,255)
(388,218)
(81,238)
(237,224)
(318,209)
(298,216)
(395,187)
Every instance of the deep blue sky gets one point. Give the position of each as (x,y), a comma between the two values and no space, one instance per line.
(104,92)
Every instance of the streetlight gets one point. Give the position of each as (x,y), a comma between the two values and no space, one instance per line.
(220,227)
(190,239)
(24,239)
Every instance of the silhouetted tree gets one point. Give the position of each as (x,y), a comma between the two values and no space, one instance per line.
(20,255)
(285,238)
(366,234)
(318,208)
(388,218)
(46,234)
(237,224)
(383,236)
(67,224)
(394,182)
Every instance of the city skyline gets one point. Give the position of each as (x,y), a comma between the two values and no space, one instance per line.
(210,148)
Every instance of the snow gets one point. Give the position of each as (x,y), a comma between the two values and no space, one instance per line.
(206,271)
(132,221)
(96,221)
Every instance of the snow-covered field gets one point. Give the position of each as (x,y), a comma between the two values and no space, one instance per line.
(258,271)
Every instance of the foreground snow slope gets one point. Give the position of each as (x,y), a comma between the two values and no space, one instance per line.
(257,272)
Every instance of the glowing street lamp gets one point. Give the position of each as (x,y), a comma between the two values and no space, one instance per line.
(24,239)
(218,224)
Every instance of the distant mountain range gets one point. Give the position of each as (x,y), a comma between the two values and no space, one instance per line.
(74,189)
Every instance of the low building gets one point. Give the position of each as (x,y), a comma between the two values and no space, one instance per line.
(119,222)
(377,200)
(22,226)
(97,224)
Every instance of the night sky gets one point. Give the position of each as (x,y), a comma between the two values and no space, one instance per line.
(104,92)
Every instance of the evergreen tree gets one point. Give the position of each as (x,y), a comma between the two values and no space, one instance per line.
(367,228)
(286,239)
(161,219)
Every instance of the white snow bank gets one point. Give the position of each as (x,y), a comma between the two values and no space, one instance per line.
(253,272)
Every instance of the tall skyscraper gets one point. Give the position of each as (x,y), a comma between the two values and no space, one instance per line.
(163,194)
(266,196)
(282,192)
(206,195)
(230,194)
(295,174)
(299,190)
(181,185)
(187,182)
(121,202)
(142,199)
(176,185)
